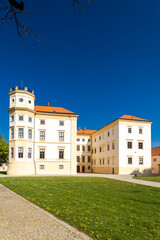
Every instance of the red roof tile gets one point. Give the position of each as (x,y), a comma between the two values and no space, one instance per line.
(129,117)
(49,109)
(85,131)
(155,151)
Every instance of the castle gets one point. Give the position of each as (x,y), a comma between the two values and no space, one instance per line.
(45,140)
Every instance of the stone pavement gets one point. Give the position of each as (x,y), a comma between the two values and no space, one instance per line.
(126,178)
(22,220)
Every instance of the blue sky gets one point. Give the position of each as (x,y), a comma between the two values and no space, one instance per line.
(100,64)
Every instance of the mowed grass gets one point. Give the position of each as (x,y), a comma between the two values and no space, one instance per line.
(102,208)
(149,178)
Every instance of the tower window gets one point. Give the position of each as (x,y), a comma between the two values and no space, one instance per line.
(20,118)
(29,133)
(21,99)
(12,133)
(20,135)
(29,101)
(29,152)
(20,152)
(12,152)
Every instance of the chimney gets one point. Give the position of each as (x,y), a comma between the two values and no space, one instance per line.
(48,104)
(84,129)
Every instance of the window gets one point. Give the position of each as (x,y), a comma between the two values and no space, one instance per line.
(83,158)
(112,131)
(89,159)
(100,149)
(83,148)
(129,144)
(21,99)
(61,123)
(92,151)
(83,140)
(141,161)
(12,152)
(129,160)
(29,152)
(100,161)
(103,161)
(78,158)
(108,160)
(94,162)
(42,135)
(129,130)
(78,139)
(42,122)
(61,136)
(95,150)
(99,137)
(20,134)
(41,167)
(155,159)
(89,168)
(42,153)
(140,131)
(108,134)
(20,152)
(61,166)
(108,147)
(12,100)
(89,148)
(29,133)
(113,146)
(20,118)
(61,153)
(12,133)
(29,101)
(78,147)
(89,140)
(12,118)
(95,139)
(29,119)
(140,145)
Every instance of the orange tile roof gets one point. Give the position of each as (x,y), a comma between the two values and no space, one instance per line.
(129,117)
(85,131)
(155,151)
(49,109)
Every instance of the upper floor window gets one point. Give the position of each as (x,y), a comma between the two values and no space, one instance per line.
(29,119)
(89,140)
(108,147)
(95,150)
(78,147)
(99,137)
(12,118)
(29,101)
(29,152)
(42,122)
(129,160)
(113,145)
(29,133)
(155,159)
(89,148)
(108,134)
(20,152)
(42,135)
(78,139)
(129,144)
(42,153)
(100,149)
(83,140)
(83,158)
(140,131)
(129,130)
(140,145)
(89,158)
(20,133)
(78,158)
(108,160)
(61,136)
(12,152)
(12,133)
(61,153)
(140,160)
(61,123)
(103,161)
(95,139)
(21,99)
(20,118)
(83,148)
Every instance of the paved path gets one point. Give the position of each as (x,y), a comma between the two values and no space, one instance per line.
(22,220)
(126,178)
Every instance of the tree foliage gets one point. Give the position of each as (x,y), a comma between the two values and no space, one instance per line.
(4,150)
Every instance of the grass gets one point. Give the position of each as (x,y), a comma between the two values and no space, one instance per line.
(149,178)
(102,208)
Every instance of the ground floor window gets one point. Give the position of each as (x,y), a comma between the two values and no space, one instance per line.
(29,152)
(41,167)
(12,152)
(61,166)
(129,160)
(78,158)
(20,152)
(140,160)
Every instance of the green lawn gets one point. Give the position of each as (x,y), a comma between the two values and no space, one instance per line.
(150,178)
(102,208)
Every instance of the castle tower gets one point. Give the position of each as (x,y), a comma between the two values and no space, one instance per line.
(21,131)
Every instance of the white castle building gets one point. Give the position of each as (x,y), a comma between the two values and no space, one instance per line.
(45,140)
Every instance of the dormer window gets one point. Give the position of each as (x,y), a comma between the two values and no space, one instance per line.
(21,99)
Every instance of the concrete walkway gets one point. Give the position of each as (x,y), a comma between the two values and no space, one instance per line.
(20,219)
(126,178)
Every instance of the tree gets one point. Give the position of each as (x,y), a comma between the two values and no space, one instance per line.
(4,150)
(14,11)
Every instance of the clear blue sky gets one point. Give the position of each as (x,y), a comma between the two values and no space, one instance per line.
(101,64)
